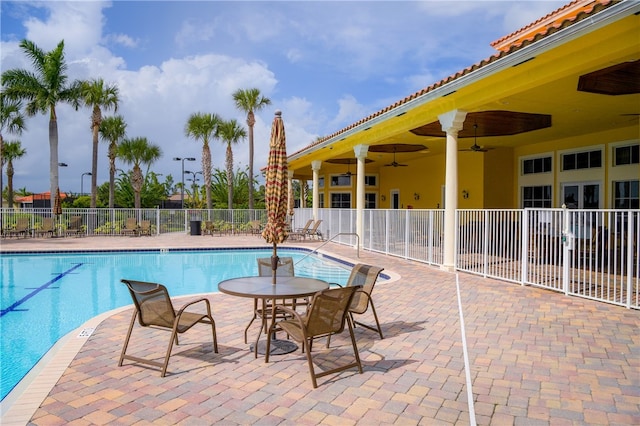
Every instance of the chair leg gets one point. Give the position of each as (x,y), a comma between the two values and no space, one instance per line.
(355,347)
(174,337)
(126,340)
(255,308)
(306,344)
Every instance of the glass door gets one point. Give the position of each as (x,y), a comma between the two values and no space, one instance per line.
(581,195)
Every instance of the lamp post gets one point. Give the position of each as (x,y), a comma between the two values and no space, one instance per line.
(194,177)
(82,182)
(182,159)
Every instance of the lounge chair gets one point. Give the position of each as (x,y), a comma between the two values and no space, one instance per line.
(301,232)
(75,226)
(48,227)
(363,278)
(315,231)
(255,227)
(153,308)
(145,228)
(285,269)
(326,316)
(21,228)
(130,227)
(210,228)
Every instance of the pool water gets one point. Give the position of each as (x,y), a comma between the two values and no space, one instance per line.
(45,296)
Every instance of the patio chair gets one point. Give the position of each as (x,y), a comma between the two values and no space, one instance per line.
(145,228)
(301,232)
(255,227)
(363,278)
(130,227)
(48,227)
(285,269)
(75,226)
(315,231)
(326,316)
(153,308)
(21,228)
(210,228)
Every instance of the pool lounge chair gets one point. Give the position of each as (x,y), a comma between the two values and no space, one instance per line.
(315,231)
(326,316)
(21,228)
(153,308)
(75,227)
(145,228)
(301,232)
(210,228)
(48,227)
(130,227)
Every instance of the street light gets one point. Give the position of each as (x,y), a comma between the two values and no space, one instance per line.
(194,178)
(82,182)
(182,188)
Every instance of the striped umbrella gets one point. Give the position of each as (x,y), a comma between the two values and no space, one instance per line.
(276,191)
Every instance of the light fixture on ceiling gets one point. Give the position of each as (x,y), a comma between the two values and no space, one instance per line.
(416,196)
(475,147)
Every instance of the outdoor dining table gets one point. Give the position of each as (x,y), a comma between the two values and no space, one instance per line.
(263,289)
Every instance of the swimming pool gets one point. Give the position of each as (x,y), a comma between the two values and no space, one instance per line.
(45,296)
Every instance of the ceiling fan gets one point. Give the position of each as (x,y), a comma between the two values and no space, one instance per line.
(475,147)
(348,173)
(394,163)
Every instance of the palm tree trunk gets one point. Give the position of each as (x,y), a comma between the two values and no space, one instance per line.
(1,167)
(94,159)
(136,183)
(10,183)
(250,122)
(229,177)
(53,155)
(206,171)
(112,172)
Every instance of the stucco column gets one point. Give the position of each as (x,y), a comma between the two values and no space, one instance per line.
(451,122)
(361,155)
(315,166)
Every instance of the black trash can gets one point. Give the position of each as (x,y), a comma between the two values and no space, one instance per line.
(196,227)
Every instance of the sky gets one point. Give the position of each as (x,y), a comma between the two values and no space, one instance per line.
(324,64)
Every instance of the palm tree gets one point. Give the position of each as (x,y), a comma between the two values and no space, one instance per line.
(204,126)
(11,151)
(250,101)
(138,151)
(43,90)
(231,133)
(112,130)
(12,121)
(96,95)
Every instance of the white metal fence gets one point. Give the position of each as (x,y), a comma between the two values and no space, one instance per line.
(586,253)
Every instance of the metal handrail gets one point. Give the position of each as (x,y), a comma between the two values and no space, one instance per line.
(314,251)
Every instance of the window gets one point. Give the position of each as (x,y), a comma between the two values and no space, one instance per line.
(341,200)
(370,200)
(536,196)
(341,180)
(370,180)
(536,165)
(626,155)
(321,200)
(321,182)
(582,160)
(626,195)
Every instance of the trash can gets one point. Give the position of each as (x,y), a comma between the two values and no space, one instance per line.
(195,227)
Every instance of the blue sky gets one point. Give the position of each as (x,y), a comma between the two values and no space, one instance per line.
(325,64)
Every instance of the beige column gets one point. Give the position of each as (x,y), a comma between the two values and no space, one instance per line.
(451,122)
(361,155)
(315,166)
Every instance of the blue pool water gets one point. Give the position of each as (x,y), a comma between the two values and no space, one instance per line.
(45,296)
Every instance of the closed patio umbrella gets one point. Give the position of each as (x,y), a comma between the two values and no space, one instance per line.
(276,191)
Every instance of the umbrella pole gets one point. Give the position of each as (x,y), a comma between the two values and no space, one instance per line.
(274,262)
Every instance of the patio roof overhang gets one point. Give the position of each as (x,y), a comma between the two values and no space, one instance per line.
(536,86)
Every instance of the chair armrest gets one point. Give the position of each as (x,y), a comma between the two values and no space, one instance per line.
(291,312)
(193,302)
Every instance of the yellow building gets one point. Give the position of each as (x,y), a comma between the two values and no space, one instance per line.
(551,119)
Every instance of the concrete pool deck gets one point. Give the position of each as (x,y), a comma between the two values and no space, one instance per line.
(536,357)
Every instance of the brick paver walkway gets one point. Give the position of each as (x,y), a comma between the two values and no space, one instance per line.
(537,357)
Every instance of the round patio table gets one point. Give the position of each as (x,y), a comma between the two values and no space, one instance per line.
(262,288)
